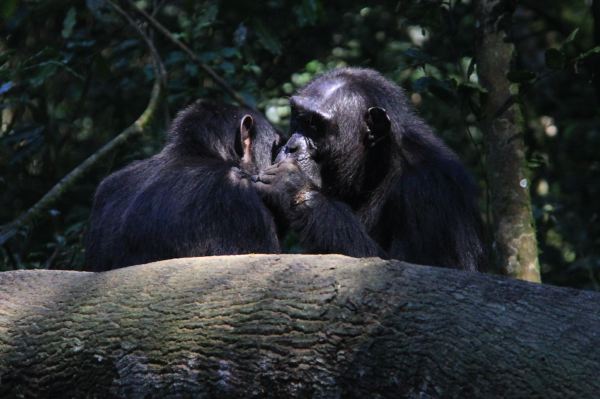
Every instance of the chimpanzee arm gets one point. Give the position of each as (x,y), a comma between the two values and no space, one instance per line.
(324,225)
(433,217)
(328,226)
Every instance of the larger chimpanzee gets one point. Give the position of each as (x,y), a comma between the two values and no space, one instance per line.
(194,198)
(362,175)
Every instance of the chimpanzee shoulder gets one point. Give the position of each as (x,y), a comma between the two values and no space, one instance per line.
(191,199)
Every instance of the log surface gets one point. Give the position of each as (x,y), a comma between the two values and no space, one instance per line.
(294,326)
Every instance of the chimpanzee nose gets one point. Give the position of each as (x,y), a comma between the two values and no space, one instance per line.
(295,143)
(295,146)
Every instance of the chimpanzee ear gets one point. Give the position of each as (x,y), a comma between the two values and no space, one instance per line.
(246,134)
(379,125)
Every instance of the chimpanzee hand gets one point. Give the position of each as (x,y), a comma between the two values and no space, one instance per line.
(284,186)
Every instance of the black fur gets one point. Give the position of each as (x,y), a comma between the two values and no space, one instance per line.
(363,175)
(191,199)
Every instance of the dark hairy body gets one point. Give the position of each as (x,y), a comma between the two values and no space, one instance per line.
(193,198)
(363,175)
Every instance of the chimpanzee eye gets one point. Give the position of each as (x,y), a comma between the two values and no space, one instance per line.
(315,124)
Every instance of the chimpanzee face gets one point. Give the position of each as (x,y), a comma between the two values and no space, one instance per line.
(327,130)
(335,125)
(303,150)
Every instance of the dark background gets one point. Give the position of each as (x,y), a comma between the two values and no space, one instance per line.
(74,74)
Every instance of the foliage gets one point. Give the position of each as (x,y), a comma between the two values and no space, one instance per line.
(72,75)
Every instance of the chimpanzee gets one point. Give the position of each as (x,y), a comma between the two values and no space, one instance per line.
(194,198)
(362,175)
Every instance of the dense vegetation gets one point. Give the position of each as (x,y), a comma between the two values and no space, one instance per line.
(73,75)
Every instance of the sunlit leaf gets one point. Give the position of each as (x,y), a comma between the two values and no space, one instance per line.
(101,10)
(595,50)
(572,36)
(69,23)
(240,35)
(471,67)
(6,87)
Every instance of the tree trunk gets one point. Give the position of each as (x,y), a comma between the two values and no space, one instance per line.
(293,326)
(515,244)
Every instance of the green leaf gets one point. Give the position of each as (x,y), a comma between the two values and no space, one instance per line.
(175,57)
(471,68)
(255,69)
(240,35)
(227,67)
(6,87)
(422,84)
(229,52)
(267,39)
(471,87)
(571,37)
(69,23)
(101,10)
(520,76)
(595,50)
(308,12)
(208,17)
(314,67)
(191,70)
(208,56)
(418,55)
(43,74)
(555,59)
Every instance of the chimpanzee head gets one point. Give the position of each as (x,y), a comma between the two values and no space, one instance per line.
(342,134)
(225,132)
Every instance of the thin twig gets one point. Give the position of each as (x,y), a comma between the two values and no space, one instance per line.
(159,67)
(35,212)
(209,71)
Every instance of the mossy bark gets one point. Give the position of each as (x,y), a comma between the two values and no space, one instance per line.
(514,241)
(293,326)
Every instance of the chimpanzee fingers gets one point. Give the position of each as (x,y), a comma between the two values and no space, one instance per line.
(260,186)
(269,171)
(266,178)
(289,165)
(266,191)
(272,168)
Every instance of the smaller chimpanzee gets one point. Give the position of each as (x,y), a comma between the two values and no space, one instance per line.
(362,175)
(191,199)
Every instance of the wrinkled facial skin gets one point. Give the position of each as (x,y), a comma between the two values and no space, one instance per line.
(310,127)
(329,115)
(302,150)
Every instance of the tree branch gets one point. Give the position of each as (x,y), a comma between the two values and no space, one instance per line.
(294,326)
(515,245)
(137,127)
